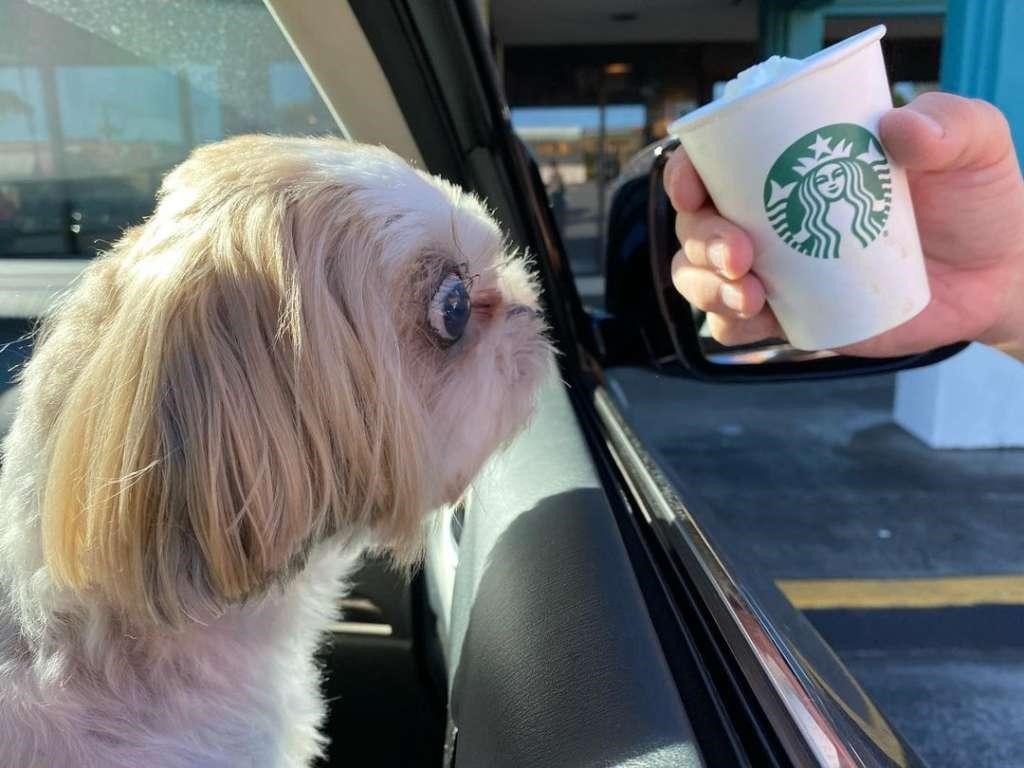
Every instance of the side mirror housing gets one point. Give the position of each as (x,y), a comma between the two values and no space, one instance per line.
(648,320)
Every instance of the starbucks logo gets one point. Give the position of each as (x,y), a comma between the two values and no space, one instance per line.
(830,190)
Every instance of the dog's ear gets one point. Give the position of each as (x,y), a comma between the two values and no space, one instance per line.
(230,415)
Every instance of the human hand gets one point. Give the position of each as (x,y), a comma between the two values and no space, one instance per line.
(968,195)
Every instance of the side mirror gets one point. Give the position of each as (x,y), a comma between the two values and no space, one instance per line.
(648,320)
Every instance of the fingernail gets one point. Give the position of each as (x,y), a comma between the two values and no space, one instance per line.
(732,298)
(717,253)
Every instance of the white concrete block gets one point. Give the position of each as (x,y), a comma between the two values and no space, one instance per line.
(972,400)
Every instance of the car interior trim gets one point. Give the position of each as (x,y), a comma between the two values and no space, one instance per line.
(330,44)
(806,730)
(362,628)
(547,615)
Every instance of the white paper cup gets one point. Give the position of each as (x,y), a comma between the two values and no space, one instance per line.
(797,163)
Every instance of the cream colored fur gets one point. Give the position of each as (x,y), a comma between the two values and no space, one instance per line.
(236,401)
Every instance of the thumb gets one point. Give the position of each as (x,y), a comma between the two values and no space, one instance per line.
(942,132)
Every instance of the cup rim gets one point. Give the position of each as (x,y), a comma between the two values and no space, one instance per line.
(816,62)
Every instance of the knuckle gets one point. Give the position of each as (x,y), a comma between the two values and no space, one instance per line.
(679,262)
(687,281)
(992,114)
(722,329)
(707,222)
(683,233)
(705,296)
(719,335)
(693,251)
(702,299)
(937,98)
(684,224)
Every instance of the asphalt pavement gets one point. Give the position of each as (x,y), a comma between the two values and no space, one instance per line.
(956,707)
(908,561)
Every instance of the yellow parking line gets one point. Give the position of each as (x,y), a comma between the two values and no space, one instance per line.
(821,594)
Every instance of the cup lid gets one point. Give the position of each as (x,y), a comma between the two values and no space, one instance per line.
(821,60)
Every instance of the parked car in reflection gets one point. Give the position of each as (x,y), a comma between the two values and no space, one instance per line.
(71,217)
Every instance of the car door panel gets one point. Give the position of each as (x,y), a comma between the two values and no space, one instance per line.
(553,659)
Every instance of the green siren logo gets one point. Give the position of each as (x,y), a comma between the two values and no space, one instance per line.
(830,190)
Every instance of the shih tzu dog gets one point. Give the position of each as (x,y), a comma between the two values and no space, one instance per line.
(307,347)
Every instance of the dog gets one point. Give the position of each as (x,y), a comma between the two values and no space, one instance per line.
(307,347)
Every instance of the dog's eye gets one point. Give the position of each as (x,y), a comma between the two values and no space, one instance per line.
(448,312)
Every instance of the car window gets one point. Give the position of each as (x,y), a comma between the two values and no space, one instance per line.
(97,103)
(905,560)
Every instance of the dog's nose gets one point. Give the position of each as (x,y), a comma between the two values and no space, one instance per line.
(522,309)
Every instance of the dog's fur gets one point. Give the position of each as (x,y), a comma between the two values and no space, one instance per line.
(236,401)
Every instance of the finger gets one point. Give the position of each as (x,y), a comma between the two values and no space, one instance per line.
(682,183)
(940,131)
(732,331)
(710,241)
(710,292)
